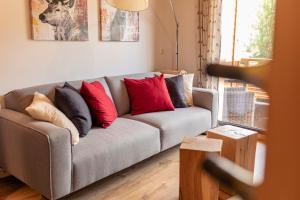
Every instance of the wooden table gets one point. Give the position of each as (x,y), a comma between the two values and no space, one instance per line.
(195,184)
(239,146)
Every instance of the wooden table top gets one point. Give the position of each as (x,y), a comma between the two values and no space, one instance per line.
(232,132)
(202,143)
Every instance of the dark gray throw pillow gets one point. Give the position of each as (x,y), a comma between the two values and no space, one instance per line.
(176,90)
(72,104)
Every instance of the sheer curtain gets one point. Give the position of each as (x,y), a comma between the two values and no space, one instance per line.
(209,40)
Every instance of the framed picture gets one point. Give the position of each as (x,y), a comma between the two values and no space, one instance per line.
(65,20)
(117,25)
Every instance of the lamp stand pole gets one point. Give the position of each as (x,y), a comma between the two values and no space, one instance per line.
(177,35)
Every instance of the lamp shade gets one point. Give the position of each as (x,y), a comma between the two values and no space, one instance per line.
(129,5)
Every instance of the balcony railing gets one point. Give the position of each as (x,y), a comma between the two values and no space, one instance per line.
(241,103)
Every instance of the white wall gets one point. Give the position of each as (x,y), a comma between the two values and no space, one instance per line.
(24,62)
(188,37)
(186,11)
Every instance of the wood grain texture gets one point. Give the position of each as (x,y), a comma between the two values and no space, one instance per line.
(262,138)
(239,145)
(195,184)
(283,163)
(2,103)
(12,189)
(224,196)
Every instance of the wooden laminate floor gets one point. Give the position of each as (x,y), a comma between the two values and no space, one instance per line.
(154,179)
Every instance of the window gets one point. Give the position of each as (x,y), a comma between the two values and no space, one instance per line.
(247,41)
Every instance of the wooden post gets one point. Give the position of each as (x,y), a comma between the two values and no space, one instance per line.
(283,163)
(195,184)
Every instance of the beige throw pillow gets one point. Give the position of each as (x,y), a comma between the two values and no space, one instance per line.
(188,80)
(43,109)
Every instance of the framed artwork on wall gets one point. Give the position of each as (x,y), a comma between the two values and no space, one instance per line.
(117,25)
(61,20)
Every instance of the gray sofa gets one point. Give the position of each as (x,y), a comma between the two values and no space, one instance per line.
(41,155)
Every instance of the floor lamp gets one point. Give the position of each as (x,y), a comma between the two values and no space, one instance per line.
(139,5)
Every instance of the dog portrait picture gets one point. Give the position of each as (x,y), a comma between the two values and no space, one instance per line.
(118,25)
(59,20)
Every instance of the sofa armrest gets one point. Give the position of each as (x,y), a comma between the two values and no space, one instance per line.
(38,153)
(208,99)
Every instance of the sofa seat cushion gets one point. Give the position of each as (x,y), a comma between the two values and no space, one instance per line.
(175,125)
(107,151)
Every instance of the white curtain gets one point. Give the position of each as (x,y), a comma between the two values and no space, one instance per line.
(209,40)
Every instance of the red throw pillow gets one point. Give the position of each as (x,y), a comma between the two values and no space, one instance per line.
(102,108)
(148,95)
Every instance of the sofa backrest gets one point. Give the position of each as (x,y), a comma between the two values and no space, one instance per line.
(19,99)
(119,91)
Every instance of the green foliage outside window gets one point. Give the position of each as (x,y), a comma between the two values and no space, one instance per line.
(261,45)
